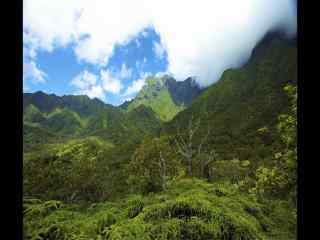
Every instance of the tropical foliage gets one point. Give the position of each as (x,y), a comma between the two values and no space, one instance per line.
(188,209)
(177,162)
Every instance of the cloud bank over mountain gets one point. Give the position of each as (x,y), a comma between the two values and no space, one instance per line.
(199,38)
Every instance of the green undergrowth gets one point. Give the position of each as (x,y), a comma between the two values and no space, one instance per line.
(188,209)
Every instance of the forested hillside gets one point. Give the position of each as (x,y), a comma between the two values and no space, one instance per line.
(243,101)
(78,116)
(177,162)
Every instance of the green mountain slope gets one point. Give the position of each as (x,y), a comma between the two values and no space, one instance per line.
(79,116)
(46,103)
(243,101)
(145,118)
(35,137)
(165,96)
(121,127)
(63,121)
(33,114)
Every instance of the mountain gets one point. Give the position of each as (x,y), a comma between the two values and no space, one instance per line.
(244,100)
(46,103)
(35,136)
(95,171)
(165,96)
(159,100)
(33,114)
(121,127)
(48,116)
(234,108)
(125,104)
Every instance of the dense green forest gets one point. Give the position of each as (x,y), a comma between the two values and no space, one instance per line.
(177,162)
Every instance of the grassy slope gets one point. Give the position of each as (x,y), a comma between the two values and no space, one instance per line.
(158,98)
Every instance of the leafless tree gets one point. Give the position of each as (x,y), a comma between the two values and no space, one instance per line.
(185,144)
(206,161)
(163,170)
(187,148)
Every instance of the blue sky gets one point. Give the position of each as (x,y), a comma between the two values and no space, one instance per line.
(105,49)
(139,56)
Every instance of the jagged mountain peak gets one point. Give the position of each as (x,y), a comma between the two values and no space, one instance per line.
(165,95)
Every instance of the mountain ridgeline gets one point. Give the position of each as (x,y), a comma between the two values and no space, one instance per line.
(165,96)
(69,117)
(231,110)
(77,116)
(176,162)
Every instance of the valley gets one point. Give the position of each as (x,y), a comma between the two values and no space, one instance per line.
(176,162)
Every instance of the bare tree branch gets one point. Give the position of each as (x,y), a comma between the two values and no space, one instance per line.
(163,169)
(203,140)
(212,157)
(185,145)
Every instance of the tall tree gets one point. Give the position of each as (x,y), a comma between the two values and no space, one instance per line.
(152,164)
(191,150)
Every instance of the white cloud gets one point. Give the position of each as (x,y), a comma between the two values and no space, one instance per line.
(99,85)
(49,23)
(25,87)
(205,39)
(159,50)
(161,74)
(84,80)
(29,53)
(137,84)
(144,34)
(145,74)
(135,87)
(125,72)
(94,26)
(33,72)
(94,92)
(108,23)
(201,39)
(86,84)
(110,83)
(123,100)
